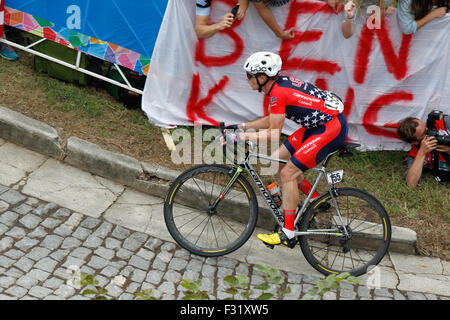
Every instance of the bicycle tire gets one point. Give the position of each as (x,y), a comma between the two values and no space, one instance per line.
(210,234)
(365,218)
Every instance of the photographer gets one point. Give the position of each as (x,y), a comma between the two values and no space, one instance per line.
(430,146)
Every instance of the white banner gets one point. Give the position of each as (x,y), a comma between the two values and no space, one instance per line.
(381,75)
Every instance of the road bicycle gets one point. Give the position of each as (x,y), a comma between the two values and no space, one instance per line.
(212,210)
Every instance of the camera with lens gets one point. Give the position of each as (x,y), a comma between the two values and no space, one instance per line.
(434,116)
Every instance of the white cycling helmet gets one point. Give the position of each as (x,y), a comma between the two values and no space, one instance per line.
(263,62)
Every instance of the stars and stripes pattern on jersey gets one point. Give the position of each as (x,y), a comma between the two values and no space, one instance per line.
(303,102)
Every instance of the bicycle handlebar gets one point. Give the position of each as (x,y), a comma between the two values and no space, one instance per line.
(222,128)
(222,132)
(230,141)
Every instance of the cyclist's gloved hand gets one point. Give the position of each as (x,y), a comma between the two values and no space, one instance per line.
(232,136)
(232,126)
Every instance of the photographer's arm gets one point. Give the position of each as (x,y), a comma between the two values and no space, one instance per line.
(427,145)
(415,171)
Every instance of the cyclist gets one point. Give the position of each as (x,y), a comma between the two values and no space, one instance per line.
(322,128)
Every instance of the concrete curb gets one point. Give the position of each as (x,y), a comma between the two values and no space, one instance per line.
(149,179)
(92,158)
(30,133)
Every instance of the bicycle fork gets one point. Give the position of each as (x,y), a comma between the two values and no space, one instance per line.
(225,190)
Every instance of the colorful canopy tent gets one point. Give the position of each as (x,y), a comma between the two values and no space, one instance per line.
(122,32)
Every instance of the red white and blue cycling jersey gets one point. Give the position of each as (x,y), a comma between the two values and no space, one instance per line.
(322,125)
(303,102)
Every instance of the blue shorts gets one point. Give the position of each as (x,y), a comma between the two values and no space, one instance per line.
(309,147)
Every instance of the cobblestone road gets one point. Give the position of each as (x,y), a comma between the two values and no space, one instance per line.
(44,246)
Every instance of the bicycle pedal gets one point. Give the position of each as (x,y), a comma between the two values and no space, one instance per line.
(270,246)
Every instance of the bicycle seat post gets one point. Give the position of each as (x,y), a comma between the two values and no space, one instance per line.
(327,159)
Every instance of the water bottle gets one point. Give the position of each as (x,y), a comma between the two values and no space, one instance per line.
(275,192)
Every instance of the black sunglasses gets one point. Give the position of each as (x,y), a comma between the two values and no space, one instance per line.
(249,75)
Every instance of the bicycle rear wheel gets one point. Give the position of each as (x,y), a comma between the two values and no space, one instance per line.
(369,229)
(201,229)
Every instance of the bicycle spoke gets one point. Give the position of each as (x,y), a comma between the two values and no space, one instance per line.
(324,248)
(202,229)
(355,230)
(187,222)
(212,189)
(196,226)
(223,231)
(237,234)
(187,213)
(203,194)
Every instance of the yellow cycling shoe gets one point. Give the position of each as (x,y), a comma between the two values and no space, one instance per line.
(277,239)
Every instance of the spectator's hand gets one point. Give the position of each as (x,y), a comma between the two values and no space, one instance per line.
(226,22)
(390,10)
(241,12)
(439,12)
(350,9)
(444,149)
(332,4)
(287,34)
(428,144)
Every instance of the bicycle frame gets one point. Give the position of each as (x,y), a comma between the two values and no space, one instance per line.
(276,212)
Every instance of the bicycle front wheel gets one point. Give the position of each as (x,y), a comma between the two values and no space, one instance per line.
(367,224)
(202,228)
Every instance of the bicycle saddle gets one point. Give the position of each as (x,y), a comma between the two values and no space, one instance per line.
(344,149)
